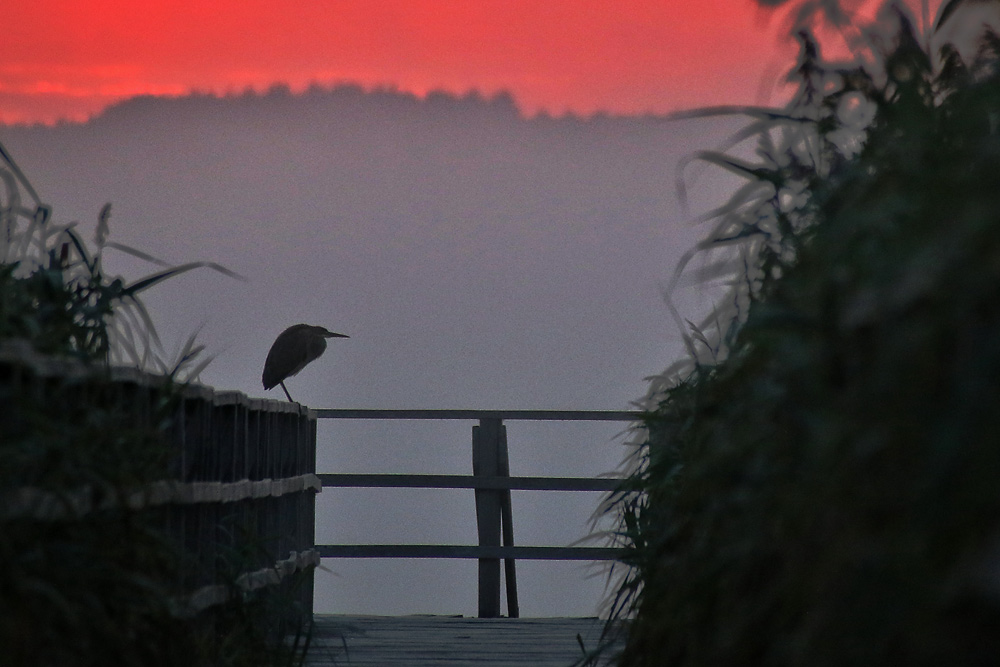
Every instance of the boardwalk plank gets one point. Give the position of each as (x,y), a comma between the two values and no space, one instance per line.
(449,641)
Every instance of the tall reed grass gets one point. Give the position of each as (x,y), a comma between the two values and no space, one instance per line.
(57,296)
(816,483)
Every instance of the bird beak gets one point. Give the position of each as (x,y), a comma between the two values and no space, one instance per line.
(330,334)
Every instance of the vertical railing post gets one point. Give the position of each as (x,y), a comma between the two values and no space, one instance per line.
(486,440)
(507,516)
(309,524)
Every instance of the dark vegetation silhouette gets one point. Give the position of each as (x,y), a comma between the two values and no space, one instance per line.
(817,482)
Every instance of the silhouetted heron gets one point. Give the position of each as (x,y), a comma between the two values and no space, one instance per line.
(295,347)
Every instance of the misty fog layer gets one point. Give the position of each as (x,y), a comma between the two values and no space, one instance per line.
(477,259)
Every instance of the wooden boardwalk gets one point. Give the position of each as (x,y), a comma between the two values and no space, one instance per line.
(452,641)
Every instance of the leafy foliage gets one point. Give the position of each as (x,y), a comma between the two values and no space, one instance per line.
(53,291)
(818,482)
(60,318)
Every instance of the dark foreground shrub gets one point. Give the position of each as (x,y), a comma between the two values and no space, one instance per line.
(826,493)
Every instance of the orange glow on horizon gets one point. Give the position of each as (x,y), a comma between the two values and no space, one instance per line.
(71,60)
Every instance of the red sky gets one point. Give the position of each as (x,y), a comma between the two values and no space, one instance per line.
(69,59)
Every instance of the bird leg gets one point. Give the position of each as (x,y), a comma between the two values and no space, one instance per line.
(282,383)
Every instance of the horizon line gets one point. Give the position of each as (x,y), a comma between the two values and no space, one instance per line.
(498,98)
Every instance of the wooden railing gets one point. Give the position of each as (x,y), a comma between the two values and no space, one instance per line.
(238,501)
(243,482)
(493,485)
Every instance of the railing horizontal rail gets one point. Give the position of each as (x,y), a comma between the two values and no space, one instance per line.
(407,481)
(508,415)
(466,551)
(214,594)
(41,504)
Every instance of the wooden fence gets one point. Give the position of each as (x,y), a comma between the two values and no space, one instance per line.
(493,484)
(239,500)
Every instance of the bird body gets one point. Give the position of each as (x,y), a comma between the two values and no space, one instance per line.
(294,348)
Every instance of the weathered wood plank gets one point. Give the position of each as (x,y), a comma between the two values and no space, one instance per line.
(466,551)
(510,415)
(437,641)
(420,481)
